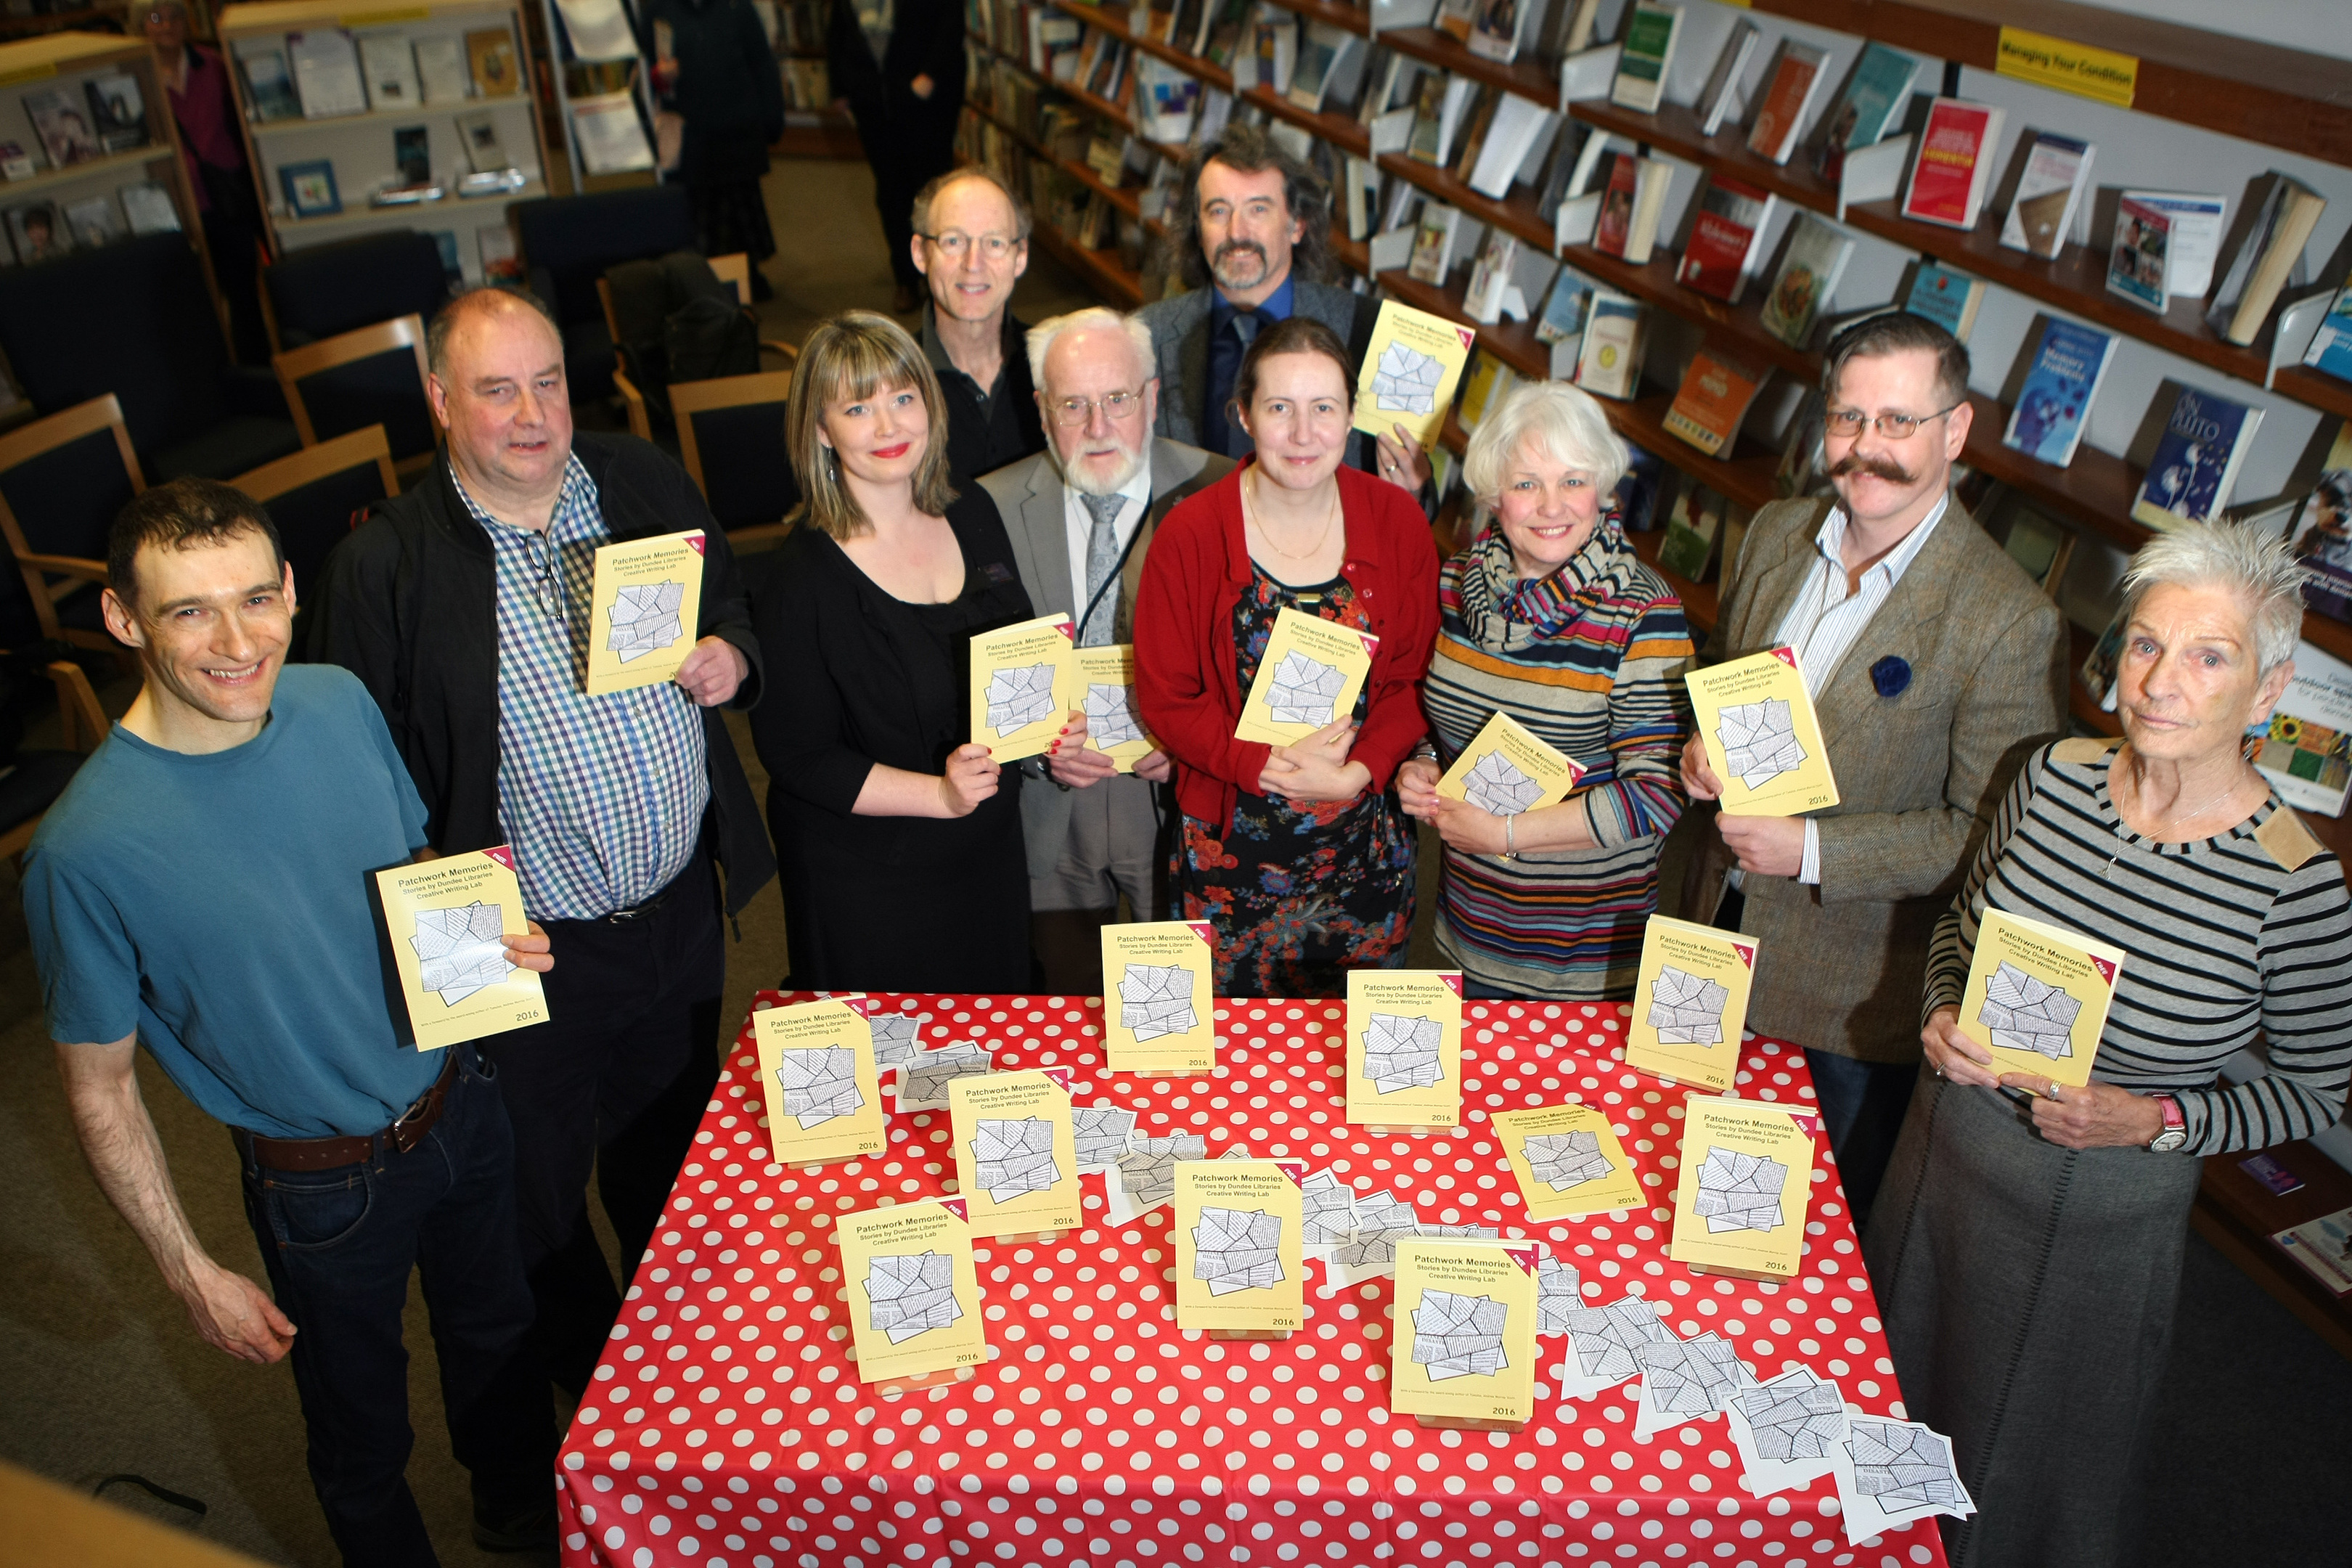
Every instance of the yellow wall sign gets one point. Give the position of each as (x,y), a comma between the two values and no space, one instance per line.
(2069,66)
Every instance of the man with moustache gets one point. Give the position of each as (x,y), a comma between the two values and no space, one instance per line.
(971,245)
(1081,516)
(1934,665)
(1249,229)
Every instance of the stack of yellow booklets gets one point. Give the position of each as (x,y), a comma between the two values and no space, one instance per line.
(1508,770)
(1017,1155)
(1023,685)
(1690,1002)
(1157,1013)
(1404,1047)
(1306,680)
(2037,997)
(643,611)
(1746,1175)
(1762,737)
(1237,1245)
(1466,1332)
(816,1068)
(1567,1161)
(1105,678)
(914,1295)
(448,920)
(1411,368)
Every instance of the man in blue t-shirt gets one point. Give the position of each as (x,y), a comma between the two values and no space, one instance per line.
(203,886)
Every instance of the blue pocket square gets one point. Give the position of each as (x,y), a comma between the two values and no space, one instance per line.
(1891,676)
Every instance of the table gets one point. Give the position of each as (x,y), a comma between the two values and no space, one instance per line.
(725,1427)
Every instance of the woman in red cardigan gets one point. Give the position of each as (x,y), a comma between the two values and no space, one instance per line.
(1299,854)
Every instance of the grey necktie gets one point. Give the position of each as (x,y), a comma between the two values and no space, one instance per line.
(1102,563)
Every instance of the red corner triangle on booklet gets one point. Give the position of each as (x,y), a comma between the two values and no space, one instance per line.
(957,1207)
(1453,977)
(1787,655)
(1747,953)
(1059,1075)
(1295,1169)
(503,854)
(697,541)
(1524,1257)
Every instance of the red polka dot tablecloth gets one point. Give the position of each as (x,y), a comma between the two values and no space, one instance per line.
(725,1427)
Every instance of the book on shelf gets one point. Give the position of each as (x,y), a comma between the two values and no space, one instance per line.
(1715,396)
(490,60)
(1608,362)
(412,154)
(2324,1247)
(2331,346)
(1564,307)
(1464,154)
(610,135)
(2136,266)
(2048,194)
(484,151)
(38,232)
(2055,401)
(309,188)
(1567,29)
(1390,76)
(95,221)
(1645,52)
(1166,101)
(15,164)
(1497,27)
(63,126)
(1228,32)
(1788,97)
(2262,255)
(2192,240)
(1190,30)
(1688,546)
(1803,462)
(2040,546)
(1646,480)
(1871,106)
(1482,301)
(1717,99)
(1483,388)
(149,209)
(1953,164)
(1454,18)
(1511,135)
(1321,58)
(267,82)
(1359,191)
(327,72)
(2322,539)
(1438,103)
(1277,52)
(1432,244)
(1947,298)
(1616,221)
(117,113)
(2197,459)
(1159,21)
(1726,230)
(1811,266)
(1653,176)
(390,71)
(2306,750)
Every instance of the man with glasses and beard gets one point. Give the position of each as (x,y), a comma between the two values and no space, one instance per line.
(971,245)
(1081,516)
(1936,665)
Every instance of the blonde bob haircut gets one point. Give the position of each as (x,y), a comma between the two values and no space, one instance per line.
(1562,422)
(850,356)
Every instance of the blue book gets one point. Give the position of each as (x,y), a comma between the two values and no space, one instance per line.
(2331,349)
(2067,368)
(1873,98)
(1564,308)
(2196,459)
(1947,298)
(1637,492)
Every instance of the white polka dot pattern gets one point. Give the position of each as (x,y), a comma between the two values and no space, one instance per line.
(725,1427)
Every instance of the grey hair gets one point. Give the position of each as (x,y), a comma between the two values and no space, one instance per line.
(1093,317)
(1556,418)
(2259,569)
(447,319)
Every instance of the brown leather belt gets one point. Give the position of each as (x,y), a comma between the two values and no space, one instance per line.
(326,1153)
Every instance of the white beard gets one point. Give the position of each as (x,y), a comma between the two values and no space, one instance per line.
(1087,485)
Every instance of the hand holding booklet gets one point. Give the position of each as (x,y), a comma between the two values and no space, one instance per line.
(1756,719)
(2037,997)
(1308,679)
(449,920)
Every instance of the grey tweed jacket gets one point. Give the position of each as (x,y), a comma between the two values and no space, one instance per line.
(1180,339)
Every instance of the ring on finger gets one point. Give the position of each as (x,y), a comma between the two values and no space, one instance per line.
(2052,1091)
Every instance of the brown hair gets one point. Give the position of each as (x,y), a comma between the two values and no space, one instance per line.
(445,319)
(1293,335)
(851,354)
(1247,148)
(185,514)
(1896,333)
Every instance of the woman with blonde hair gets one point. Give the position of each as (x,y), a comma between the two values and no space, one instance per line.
(898,840)
(1549,619)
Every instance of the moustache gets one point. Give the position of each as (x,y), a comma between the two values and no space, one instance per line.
(1234,246)
(1877,467)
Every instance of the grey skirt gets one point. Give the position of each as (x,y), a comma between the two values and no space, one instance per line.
(2029,1293)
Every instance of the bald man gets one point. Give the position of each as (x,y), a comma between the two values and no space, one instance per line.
(464,606)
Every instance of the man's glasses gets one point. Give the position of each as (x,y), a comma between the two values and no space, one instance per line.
(547,564)
(992,247)
(1847,423)
(1076,411)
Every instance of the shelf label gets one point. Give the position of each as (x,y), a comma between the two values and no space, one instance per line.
(30,73)
(383,18)
(2078,68)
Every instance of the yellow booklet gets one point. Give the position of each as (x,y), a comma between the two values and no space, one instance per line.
(449,920)
(1465,1330)
(1411,368)
(914,1295)
(1308,679)
(1404,1047)
(1106,685)
(1022,687)
(1690,1001)
(1016,1156)
(642,610)
(1746,1175)
(1159,1015)
(1762,737)
(1567,1161)
(1237,1244)
(816,1067)
(2037,997)
(1508,770)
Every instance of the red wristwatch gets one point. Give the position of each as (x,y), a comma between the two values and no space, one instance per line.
(2176,1127)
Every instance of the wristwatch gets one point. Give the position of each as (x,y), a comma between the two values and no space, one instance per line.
(2176,1127)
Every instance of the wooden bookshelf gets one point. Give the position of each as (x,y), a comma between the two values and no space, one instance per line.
(1673,129)
(1522,76)
(1343,132)
(1514,216)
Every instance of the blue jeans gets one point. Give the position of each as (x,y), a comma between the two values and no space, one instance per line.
(339,1245)
(1862,1110)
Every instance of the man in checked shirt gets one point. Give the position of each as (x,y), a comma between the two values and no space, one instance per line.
(464,606)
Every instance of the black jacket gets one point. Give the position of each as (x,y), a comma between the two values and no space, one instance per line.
(982,440)
(728,88)
(926,40)
(408,603)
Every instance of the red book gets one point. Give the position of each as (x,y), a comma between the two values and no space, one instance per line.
(1616,219)
(1723,237)
(1955,158)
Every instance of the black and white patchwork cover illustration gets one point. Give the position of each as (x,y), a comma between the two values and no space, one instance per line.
(1383,1219)
(1237,1249)
(1496,786)
(898,1038)
(645,619)
(1456,1335)
(1686,1009)
(1019,695)
(1406,381)
(1688,1378)
(1156,999)
(1557,1290)
(1009,1158)
(1603,1339)
(1110,715)
(1328,1216)
(1794,1418)
(2025,1012)
(912,1293)
(461,950)
(1759,741)
(1402,1052)
(1564,1160)
(1739,1192)
(1099,1134)
(1147,1170)
(923,1078)
(1304,691)
(819,1085)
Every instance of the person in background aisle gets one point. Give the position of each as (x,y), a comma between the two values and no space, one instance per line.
(971,245)
(898,65)
(1081,518)
(2028,1262)
(203,886)
(899,838)
(1549,619)
(195,78)
(464,606)
(1936,665)
(1297,853)
(1250,231)
(714,67)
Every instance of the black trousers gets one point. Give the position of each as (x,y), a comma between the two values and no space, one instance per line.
(617,1078)
(905,150)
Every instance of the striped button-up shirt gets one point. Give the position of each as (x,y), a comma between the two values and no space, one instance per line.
(602,798)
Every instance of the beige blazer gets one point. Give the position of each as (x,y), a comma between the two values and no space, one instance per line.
(1840,966)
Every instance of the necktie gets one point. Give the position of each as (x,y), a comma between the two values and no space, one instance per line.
(1102,562)
(1238,443)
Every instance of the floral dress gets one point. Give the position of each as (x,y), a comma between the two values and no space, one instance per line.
(1300,893)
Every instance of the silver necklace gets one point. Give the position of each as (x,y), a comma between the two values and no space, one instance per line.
(2175,819)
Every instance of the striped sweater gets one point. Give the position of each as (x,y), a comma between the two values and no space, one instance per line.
(1590,658)
(2223,938)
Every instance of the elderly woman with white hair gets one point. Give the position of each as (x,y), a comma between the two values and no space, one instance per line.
(2027,1260)
(1549,619)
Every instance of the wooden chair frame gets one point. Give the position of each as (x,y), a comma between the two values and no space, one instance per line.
(21,445)
(735,268)
(688,398)
(296,365)
(84,724)
(311,464)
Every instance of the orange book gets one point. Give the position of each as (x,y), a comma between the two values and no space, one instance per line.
(1795,80)
(1714,399)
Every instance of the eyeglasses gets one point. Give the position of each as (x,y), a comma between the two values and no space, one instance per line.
(1077,411)
(992,247)
(548,563)
(1847,423)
